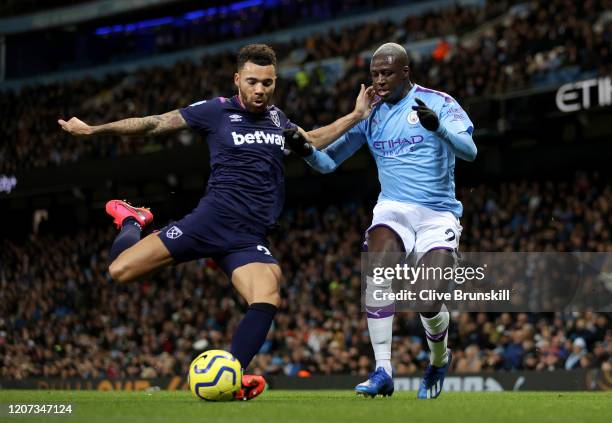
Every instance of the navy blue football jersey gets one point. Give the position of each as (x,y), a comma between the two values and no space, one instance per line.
(246,157)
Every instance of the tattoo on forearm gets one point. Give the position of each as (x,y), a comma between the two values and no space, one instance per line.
(148,125)
(167,122)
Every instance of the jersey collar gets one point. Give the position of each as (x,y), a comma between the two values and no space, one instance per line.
(409,95)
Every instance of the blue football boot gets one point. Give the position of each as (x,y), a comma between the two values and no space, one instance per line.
(378,383)
(431,385)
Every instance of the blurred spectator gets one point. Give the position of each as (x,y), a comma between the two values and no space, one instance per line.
(531,45)
(441,51)
(578,353)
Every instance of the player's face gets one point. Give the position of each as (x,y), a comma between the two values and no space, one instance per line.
(388,78)
(255,86)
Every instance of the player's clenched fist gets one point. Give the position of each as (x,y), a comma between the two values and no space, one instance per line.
(297,142)
(76,127)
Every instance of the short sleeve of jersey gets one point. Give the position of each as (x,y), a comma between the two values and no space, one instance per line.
(203,115)
(455,119)
(285,123)
(289,125)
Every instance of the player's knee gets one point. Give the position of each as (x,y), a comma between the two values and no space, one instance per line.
(270,297)
(274,299)
(383,239)
(119,271)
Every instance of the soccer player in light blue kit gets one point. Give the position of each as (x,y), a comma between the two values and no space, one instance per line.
(414,134)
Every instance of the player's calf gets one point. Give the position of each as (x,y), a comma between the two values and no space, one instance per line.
(258,284)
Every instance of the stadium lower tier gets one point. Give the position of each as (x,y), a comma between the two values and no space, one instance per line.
(62,315)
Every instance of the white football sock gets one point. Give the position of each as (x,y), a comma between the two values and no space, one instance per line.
(381,335)
(380,324)
(436,332)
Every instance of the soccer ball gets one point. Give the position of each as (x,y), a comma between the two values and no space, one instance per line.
(215,375)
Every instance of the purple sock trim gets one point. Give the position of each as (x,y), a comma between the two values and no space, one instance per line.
(440,248)
(436,337)
(380,312)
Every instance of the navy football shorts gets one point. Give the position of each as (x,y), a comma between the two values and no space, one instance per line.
(211,231)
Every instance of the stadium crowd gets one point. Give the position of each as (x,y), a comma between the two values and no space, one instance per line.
(62,316)
(569,37)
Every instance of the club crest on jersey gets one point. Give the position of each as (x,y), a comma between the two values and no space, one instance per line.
(275,118)
(174,232)
(413,118)
(235,118)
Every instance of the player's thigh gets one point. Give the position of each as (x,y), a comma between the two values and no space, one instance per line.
(382,238)
(390,230)
(436,231)
(258,282)
(143,258)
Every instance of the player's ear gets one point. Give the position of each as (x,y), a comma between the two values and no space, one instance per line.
(237,80)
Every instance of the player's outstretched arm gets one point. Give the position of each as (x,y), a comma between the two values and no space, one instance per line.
(144,126)
(325,135)
(328,159)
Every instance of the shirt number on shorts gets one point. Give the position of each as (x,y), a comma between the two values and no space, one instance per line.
(264,249)
(451,235)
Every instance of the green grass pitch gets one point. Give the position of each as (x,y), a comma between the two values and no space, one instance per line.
(318,406)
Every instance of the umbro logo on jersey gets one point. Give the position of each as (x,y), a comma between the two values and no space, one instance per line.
(235,118)
(174,232)
(259,137)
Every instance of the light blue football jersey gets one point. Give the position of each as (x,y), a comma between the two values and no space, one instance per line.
(414,165)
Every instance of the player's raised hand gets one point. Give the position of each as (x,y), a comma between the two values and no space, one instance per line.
(76,127)
(365,101)
(427,117)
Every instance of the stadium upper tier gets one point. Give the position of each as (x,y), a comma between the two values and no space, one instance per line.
(62,317)
(570,39)
(115,31)
(22,7)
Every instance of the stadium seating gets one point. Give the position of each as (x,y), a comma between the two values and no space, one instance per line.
(556,52)
(62,316)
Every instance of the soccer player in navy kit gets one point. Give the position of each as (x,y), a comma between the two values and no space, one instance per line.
(243,199)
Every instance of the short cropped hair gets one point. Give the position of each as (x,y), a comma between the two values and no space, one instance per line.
(260,54)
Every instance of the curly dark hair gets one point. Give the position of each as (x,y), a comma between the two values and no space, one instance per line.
(260,54)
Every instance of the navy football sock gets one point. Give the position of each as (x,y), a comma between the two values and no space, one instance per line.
(252,331)
(129,235)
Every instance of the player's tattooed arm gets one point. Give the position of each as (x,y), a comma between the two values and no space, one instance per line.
(325,135)
(145,126)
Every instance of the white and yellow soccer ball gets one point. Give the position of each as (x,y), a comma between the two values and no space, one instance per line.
(215,375)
